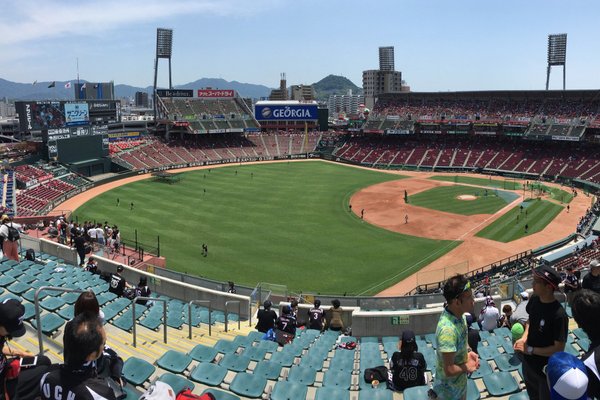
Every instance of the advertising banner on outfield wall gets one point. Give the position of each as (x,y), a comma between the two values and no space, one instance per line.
(213,93)
(292,112)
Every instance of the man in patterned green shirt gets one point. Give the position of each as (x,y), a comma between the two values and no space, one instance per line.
(454,359)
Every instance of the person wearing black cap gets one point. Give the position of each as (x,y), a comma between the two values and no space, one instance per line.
(117,283)
(545,332)
(142,290)
(407,367)
(571,283)
(266,317)
(14,384)
(316,316)
(285,326)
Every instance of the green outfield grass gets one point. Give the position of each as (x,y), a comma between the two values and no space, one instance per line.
(536,214)
(507,184)
(555,193)
(444,198)
(284,223)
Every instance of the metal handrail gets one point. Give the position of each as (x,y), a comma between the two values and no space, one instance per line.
(190,316)
(227,313)
(164,316)
(37,309)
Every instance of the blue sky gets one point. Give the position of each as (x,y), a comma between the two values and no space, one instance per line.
(439,45)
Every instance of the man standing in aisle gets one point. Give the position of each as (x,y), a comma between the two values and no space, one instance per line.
(454,359)
(545,332)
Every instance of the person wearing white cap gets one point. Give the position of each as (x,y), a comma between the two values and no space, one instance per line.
(592,279)
(566,377)
(520,314)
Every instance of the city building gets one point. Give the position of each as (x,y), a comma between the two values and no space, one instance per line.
(382,80)
(141,99)
(347,104)
(303,93)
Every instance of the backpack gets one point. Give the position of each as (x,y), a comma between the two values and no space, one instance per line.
(377,373)
(186,394)
(13,233)
(159,391)
(30,255)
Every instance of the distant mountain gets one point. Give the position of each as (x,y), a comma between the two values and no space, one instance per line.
(331,84)
(40,90)
(334,84)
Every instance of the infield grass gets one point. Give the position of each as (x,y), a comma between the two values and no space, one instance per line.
(507,184)
(445,198)
(285,223)
(555,193)
(536,214)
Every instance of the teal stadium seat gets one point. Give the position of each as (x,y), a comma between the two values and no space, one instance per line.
(371,394)
(500,384)
(255,353)
(332,393)
(234,362)
(174,361)
(267,370)
(177,382)
(248,385)
(203,353)
(472,390)
(209,374)
(289,391)
(340,379)
(416,393)
(483,370)
(507,362)
(50,323)
(519,396)
(225,346)
(221,395)
(137,371)
(302,375)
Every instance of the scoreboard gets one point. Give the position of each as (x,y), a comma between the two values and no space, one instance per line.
(75,144)
(42,115)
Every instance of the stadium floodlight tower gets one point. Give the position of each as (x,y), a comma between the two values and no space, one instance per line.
(557,55)
(164,47)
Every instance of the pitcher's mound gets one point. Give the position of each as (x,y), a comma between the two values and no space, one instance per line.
(467,197)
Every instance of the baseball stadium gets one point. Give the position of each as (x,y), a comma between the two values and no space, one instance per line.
(224,205)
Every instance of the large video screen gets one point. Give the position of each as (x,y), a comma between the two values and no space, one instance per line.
(77,114)
(37,115)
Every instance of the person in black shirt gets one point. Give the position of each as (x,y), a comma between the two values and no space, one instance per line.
(26,384)
(92,266)
(473,336)
(316,316)
(142,290)
(592,279)
(117,283)
(407,367)
(545,332)
(79,244)
(586,309)
(84,340)
(285,326)
(571,283)
(266,318)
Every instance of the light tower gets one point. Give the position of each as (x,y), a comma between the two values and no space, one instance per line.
(164,46)
(557,55)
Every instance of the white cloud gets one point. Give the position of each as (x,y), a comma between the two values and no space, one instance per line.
(28,20)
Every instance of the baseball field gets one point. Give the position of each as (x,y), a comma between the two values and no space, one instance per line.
(290,223)
(284,223)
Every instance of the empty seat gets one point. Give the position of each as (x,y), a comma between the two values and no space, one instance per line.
(289,391)
(332,393)
(416,393)
(234,362)
(487,352)
(255,353)
(209,374)
(137,371)
(519,396)
(174,361)
(303,375)
(225,346)
(500,383)
(507,362)
(284,359)
(268,370)
(472,390)
(374,394)
(483,370)
(248,385)
(50,323)
(203,353)
(340,379)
